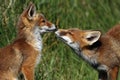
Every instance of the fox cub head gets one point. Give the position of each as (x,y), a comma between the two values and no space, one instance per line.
(30,19)
(78,39)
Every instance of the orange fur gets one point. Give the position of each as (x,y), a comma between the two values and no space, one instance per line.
(23,54)
(101,52)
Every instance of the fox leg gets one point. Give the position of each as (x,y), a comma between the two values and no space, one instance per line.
(113,73)
(28,72)
(28,69)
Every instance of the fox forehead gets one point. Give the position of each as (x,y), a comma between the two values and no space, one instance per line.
(41,15)
(72,33)
(36,18)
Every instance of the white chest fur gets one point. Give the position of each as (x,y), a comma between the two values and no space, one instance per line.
(37,40)
(37,44)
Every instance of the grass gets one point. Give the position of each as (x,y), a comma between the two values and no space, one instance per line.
(58,61)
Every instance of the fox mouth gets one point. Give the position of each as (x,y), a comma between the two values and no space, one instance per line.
(44,29)
(49,30)
(65,41)
(62,38)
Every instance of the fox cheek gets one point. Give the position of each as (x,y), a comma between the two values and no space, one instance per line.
(75,46)
(48,24)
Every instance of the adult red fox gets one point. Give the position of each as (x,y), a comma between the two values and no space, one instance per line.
(24,53)
(102,52)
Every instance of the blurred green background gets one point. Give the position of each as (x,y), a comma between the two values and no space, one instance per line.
(58,61)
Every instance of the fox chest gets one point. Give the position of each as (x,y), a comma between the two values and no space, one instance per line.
(38,47)
(38,43)
(37,59)
(37,40)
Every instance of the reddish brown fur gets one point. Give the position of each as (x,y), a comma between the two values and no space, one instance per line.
(20,56)
(108,53)
(10,61)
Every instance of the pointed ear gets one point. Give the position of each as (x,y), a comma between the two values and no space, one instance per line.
(31,11)
(92,36)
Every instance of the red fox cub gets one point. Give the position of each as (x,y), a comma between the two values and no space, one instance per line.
(24,53)
(102,52)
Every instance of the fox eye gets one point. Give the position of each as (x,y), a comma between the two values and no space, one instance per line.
(63,33)
(70,33)
(43,21)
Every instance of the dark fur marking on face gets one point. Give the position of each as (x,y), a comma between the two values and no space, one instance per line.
(63,33)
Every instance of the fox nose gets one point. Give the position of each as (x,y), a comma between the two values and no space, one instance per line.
(56,27)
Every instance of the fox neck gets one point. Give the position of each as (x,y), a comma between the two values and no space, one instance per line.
(37,40)
(89,54)
(90,57)
(32,37)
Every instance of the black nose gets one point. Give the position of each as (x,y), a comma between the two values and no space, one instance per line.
(56,28)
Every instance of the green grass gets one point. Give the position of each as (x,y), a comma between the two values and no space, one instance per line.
(58,61)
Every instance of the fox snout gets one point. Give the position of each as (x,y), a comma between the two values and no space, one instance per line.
(51,28)
(63,35)
(60,32)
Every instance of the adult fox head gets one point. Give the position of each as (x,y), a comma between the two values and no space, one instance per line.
(78,39)
(30,19)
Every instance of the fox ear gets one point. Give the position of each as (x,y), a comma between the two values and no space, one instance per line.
(31,11)
(92,37)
